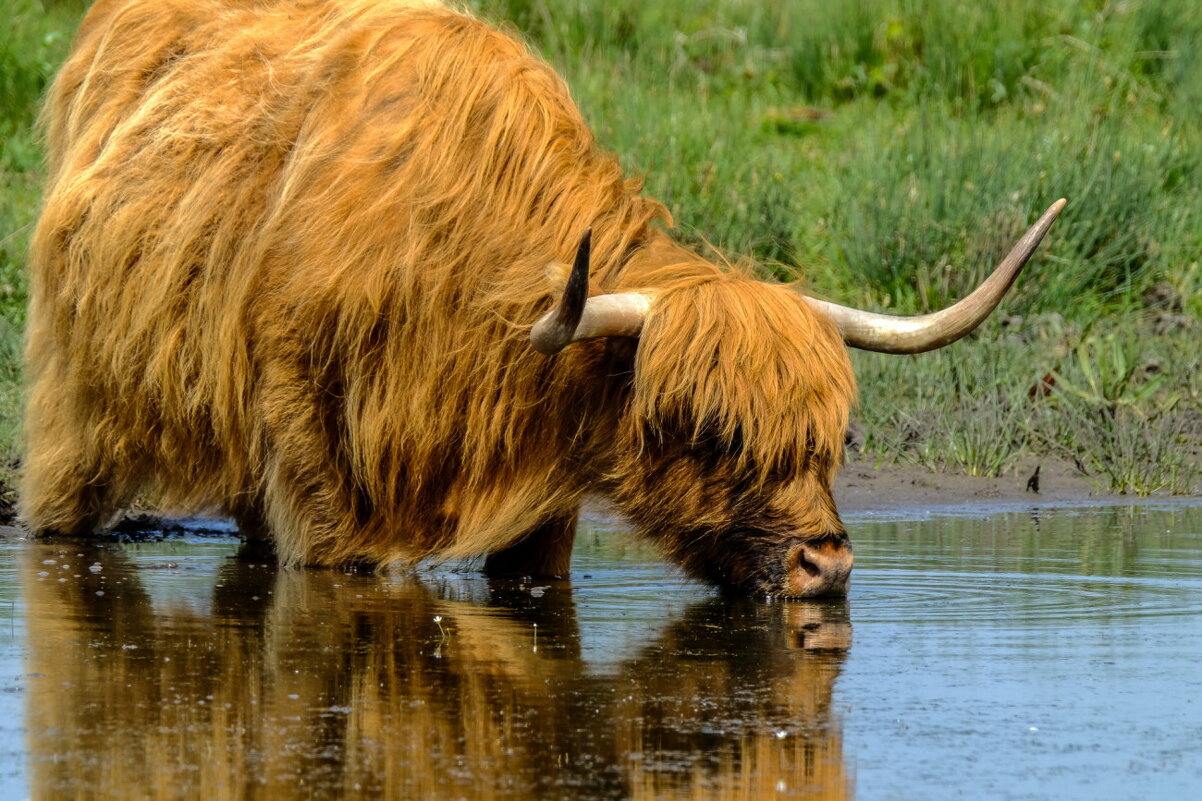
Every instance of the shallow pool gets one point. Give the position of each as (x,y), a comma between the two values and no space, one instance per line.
(1047,653)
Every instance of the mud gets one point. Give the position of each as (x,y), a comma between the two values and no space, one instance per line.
(865,487)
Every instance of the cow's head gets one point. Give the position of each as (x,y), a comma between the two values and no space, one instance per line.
(729,445)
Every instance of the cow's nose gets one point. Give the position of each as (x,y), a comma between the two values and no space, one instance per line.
(820,567)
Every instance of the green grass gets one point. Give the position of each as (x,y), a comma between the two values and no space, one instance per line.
(1120,399)
(39,35)
(937,142)
(888,151)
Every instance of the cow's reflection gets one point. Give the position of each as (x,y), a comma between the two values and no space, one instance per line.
(257,683)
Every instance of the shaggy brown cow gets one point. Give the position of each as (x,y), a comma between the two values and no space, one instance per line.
(289,265)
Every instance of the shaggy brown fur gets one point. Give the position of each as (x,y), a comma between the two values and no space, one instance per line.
(289,258)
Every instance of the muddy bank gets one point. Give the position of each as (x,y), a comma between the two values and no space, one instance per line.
(864,487)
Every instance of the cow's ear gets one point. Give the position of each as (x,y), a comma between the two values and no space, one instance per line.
(557,276)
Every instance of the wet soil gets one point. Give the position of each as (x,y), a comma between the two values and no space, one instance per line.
(863,486)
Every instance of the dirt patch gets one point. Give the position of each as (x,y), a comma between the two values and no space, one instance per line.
(861,486)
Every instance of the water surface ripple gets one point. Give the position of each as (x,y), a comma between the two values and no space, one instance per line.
(1046,654)
(1051,653)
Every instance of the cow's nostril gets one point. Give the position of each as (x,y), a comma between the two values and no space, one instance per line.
(805,564)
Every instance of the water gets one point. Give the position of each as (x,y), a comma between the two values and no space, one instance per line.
(1045,654)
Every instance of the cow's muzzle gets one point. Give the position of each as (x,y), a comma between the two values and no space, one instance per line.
(819,568)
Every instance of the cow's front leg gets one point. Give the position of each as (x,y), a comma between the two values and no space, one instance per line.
(545,552)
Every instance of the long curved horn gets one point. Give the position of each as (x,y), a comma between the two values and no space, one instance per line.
(886,333)
(580,317)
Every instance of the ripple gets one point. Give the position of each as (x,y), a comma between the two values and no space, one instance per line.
(895,596)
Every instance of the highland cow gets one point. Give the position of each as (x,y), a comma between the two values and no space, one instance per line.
(291,266)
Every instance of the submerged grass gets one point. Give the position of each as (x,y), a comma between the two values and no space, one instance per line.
(888,151)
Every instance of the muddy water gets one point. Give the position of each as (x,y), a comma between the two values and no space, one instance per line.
(1044,654)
